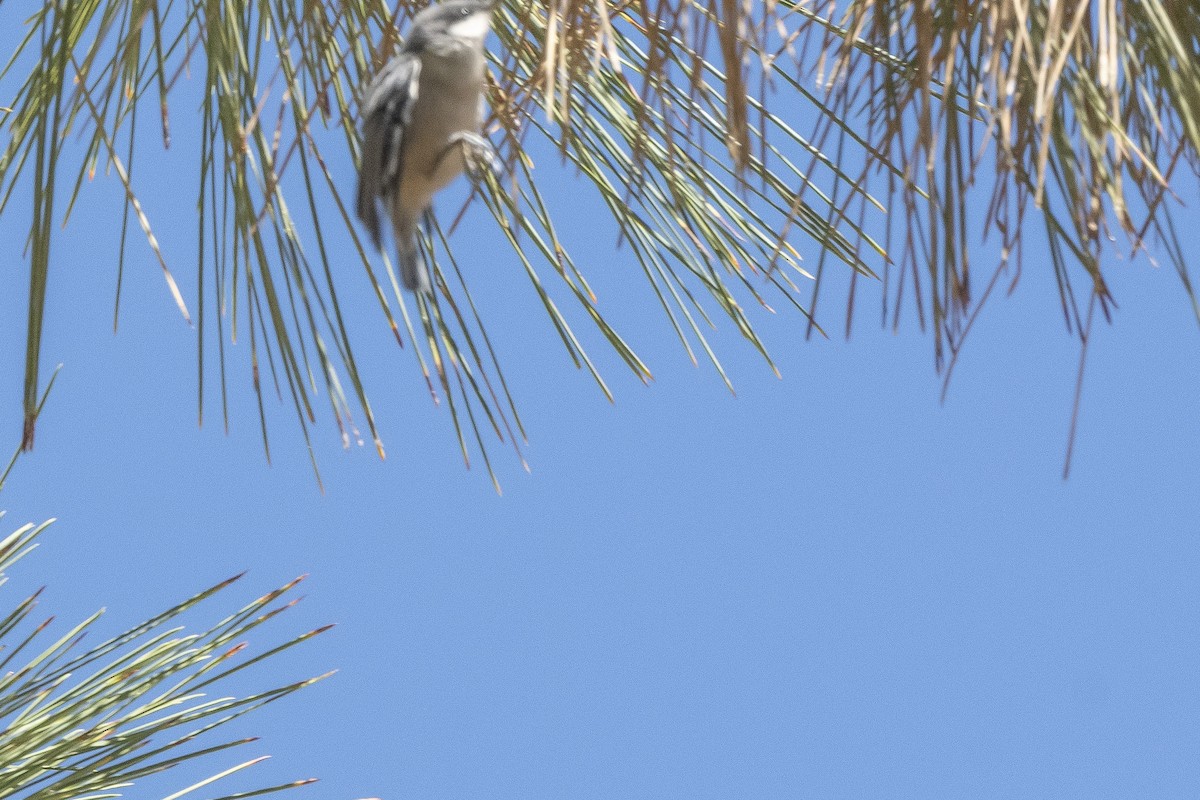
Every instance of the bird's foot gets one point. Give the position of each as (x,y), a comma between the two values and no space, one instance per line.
(477,152)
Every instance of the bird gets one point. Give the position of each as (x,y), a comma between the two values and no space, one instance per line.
(421,118)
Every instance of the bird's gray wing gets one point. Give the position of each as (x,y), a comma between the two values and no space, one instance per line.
(386,109)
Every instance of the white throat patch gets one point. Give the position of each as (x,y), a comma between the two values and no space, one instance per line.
(475,26)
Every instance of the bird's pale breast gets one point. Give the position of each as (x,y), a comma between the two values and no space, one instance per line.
(458,111)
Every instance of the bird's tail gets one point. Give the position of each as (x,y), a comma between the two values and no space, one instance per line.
(413,272)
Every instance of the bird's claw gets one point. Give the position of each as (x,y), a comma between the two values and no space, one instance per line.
(477,152)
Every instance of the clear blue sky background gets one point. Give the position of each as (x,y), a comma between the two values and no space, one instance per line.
(828,586)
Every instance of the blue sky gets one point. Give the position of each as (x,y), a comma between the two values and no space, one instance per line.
(828,586)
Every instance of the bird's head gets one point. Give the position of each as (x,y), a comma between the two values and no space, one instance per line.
(462,19)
